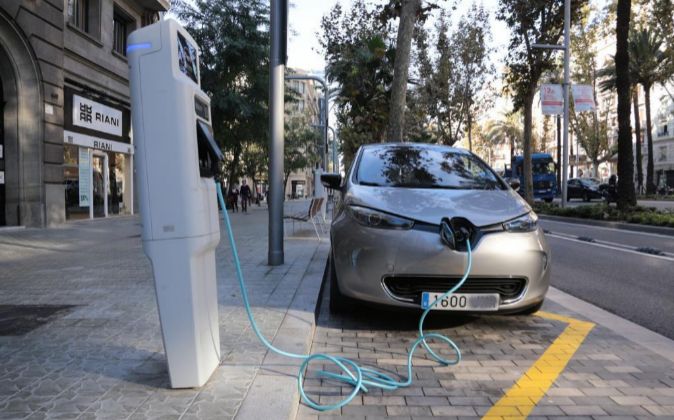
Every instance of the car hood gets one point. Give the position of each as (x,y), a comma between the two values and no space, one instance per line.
(481,207)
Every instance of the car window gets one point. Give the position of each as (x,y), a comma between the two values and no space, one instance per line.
(424,167)
(590,182)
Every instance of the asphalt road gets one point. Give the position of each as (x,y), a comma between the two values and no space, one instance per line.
(613,274)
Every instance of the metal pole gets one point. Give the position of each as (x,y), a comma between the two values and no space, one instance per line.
(565,153)
(325,128)
(276,141)
(335,168)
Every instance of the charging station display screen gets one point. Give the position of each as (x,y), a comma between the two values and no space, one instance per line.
(187,59)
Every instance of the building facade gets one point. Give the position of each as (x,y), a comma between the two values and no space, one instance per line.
(301,183)
(66,148)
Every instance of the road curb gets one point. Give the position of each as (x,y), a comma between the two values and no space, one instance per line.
(660,230)
(273,393)
(651,340)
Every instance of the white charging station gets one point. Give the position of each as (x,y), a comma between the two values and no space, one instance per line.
(177,159)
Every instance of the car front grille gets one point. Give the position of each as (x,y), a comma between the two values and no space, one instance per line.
(542,185)
(409,288)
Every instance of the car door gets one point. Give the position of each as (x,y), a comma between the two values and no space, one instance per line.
(573,188)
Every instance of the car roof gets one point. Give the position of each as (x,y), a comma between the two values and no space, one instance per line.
(442,147)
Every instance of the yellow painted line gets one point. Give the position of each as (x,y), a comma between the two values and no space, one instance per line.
(522,397)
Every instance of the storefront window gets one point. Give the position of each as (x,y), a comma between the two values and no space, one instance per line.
(117,177)
(72,185)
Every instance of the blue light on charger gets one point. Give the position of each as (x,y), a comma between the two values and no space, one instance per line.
(134,47)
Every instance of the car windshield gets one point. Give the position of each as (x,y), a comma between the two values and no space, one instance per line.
(543,167)
(424,167)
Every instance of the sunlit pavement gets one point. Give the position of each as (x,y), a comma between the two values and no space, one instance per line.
(512,367)
(100,354)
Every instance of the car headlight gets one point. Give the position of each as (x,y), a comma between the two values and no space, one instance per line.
(526,223)
(377,219)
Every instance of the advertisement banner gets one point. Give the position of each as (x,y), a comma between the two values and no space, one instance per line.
(96,116)
(552,99)
(583,98)
(85,176)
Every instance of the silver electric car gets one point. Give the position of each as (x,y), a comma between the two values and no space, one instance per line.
(406,216)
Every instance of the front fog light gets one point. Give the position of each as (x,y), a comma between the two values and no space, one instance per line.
(377,219)
(526,223)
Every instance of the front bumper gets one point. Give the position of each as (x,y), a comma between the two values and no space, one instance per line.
(366,259)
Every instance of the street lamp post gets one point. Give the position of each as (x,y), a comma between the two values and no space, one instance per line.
(567,58)
(278,29)
(325,111)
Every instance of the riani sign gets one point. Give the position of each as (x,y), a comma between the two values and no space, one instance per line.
(96,116)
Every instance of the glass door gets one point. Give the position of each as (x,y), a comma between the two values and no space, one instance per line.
(100,185)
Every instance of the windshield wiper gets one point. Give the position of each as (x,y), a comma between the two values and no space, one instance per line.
(369,184)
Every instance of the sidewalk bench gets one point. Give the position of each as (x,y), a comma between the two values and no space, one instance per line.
(308,216)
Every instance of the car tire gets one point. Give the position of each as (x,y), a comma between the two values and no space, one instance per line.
(548,200)
(338,302)
(531,309)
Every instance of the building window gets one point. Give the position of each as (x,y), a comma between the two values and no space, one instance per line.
(79,14)
(122,26)
(85,16)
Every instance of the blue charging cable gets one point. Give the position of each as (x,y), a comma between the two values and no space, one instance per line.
(360,378)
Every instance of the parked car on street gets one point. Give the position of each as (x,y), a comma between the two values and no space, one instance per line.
(584,188)
(386,242)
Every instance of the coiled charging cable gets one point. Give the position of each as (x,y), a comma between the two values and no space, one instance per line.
(360,378)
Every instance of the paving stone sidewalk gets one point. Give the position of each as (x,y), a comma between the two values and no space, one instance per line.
(102,356)
(608,377)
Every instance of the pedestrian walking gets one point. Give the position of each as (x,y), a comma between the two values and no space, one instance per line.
(245,196)
(234,198)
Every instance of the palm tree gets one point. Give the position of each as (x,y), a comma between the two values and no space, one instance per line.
(508,129)
(648,63)
(626,196)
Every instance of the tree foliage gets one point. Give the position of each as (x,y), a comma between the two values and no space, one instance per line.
(359,51)
(301,145)
(234,65)
(531,22)
(454,75)
(591,127)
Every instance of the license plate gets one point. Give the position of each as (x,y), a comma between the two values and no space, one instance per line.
(461,301)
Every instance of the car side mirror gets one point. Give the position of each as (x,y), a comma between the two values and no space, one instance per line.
(514,183)
(332,181)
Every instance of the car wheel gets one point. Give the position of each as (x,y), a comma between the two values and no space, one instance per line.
(586,197)
(531,310)
(338,302)
(548,200)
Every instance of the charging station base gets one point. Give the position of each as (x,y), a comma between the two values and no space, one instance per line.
(187,297)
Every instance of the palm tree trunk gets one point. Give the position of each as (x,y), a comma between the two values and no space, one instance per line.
(396,122)
(626,197)
(637,134)
(233,169)
(527,146)
(512,151)
(470,139)
(650,184)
